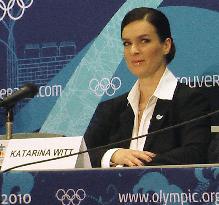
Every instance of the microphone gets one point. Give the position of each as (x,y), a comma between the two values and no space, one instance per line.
(29,90)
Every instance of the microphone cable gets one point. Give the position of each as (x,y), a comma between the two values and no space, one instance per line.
(118,142)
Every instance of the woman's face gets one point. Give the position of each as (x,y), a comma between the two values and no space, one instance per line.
(143,51)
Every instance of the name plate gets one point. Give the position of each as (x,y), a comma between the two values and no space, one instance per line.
(3,146)
(24,151)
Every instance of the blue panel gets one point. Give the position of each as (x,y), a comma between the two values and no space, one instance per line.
(114,186)
(73,111)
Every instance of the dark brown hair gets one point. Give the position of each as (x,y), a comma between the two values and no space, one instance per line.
(157,19)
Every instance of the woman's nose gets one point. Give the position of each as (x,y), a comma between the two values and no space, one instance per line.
(134,49)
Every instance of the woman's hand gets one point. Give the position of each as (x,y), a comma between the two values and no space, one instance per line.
(131,157)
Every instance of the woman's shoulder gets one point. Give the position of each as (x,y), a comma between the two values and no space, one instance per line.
(113,106)
(185,91)
(185,96)
(119,100)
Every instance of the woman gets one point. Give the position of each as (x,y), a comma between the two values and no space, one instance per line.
(156,101)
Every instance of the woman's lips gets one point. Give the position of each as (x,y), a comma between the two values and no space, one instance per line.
(137,62)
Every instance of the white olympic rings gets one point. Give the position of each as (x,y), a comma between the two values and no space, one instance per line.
(8,9)
(105,86)
(70,196)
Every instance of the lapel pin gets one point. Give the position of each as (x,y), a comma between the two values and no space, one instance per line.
(159,117)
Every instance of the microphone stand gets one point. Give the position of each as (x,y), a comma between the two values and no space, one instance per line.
(9,123)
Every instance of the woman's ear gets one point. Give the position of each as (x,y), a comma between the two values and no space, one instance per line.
(167,45)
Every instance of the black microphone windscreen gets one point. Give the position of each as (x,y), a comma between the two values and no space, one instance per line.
(29,90)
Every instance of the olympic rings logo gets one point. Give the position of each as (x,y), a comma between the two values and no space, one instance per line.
(70,196)
(8,9)
(105,86)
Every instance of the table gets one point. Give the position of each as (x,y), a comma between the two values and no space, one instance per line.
(194,184)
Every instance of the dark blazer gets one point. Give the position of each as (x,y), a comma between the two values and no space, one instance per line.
(113,121)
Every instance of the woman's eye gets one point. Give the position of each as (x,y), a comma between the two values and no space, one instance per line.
(145,40)
(125,43)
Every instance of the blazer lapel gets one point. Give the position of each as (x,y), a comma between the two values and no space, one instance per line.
(159,119)
(126,125)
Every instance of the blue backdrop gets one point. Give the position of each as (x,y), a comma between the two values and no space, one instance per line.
(127,186)
(72,51)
